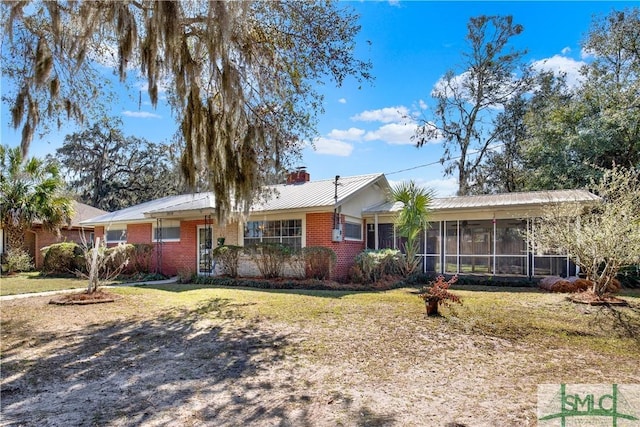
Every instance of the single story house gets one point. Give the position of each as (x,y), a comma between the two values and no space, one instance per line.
(475,234)
(38,237)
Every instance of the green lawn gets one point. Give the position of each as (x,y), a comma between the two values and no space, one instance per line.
(24,283)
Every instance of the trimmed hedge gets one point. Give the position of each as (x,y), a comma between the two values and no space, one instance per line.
(63,258)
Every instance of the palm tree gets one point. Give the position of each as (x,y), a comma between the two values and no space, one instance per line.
(30,190)
(412,219)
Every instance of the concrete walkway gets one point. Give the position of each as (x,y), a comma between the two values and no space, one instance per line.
(68,291)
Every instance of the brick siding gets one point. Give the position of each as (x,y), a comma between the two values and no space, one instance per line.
(319,230)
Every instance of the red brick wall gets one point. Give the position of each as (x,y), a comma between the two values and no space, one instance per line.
(319,229)
(182,256)
(99,232)
(139,233)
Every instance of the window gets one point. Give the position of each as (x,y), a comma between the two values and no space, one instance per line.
(169,231)
(116,235)
(353,230)
(286,231)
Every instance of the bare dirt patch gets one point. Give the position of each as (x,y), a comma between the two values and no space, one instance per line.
(231,358)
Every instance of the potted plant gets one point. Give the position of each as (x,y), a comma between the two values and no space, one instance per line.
(437,293)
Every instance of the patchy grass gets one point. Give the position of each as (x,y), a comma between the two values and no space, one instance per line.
(235,356)
(26,283)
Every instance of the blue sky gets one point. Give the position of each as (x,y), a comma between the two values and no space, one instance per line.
(412,44)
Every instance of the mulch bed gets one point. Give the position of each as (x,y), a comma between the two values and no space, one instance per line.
(592,299)
(97,297)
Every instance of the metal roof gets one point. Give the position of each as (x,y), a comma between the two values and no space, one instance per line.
(137,212)
(314,194)
(528,198)
(307,195)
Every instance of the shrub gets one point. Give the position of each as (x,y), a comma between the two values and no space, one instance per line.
(373,265)
(140,258)
(629,276)
(63,258)
(229,258)
(18,260)
(437,293)
(186,275)
(118,257)
(270,258)
(318,262)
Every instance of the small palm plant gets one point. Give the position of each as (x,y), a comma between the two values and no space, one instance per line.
(412,219)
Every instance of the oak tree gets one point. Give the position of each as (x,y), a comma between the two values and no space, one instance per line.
(242,77)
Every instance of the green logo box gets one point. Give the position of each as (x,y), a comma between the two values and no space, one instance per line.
(587,405)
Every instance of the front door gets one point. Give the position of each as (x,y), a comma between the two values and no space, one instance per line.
(205,247)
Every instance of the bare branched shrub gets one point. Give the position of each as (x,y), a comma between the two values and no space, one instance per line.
(270,258)
(229,258)
(104,264)
(600,238)
(318,262)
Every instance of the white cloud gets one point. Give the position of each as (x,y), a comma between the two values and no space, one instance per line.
(423,105)
(342,100)
(351,134)
(332,147)
(586,54)
(393,133)
(450,88)
(566,50)
(442,187)
(384,115)
(141,114)
(559,64)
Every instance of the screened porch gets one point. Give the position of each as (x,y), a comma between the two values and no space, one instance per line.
(484,247)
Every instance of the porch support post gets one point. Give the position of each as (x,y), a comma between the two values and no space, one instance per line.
(376,246)
(458,247)
(494,243)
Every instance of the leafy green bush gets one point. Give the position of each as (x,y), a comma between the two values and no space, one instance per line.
(318,262)
(63,258)
(18,260)
(229,258)
(371,266)
(270,258)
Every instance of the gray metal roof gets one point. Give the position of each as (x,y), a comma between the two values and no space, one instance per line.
(137,212)
(312,194)
(496,200)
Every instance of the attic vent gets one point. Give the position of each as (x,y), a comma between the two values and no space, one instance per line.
(298,176)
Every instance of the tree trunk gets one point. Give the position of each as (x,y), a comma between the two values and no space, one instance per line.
(15,236)
(93,268)
(431,306)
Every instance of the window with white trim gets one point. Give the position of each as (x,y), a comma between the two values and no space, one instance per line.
(169,231)
(116,235)
(286,231)
(353,230)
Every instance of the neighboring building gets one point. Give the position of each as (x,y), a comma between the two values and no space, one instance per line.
(476,234)
(38,237)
